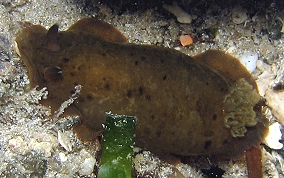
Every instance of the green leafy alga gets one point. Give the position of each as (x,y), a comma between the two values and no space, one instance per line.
(117,146)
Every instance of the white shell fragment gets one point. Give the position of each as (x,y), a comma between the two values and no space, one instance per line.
(16,48)
(239,15)
(273,137)
(17,144)
(45,147)
(64,140)
(249,60)
(265,79)
(181,15)
(282,29)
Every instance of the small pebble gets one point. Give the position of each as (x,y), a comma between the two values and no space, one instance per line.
(62,157)
(87,166)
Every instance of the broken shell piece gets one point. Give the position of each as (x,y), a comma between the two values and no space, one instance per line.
(17,144)
(269,164)
(16,48)
(181,15)
(249,60)
(282,29)
(64,141)
(273,136)
(45,147)
(265,79)
(239,15)
(278,158)
(275,100)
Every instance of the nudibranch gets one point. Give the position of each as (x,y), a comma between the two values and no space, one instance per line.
(200,105)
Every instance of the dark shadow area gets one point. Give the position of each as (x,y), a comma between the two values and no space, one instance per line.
(200,6)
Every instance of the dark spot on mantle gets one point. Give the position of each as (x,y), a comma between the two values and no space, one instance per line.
(158,133)
(214,117)
(208,133)
(107,86)
(81,100)
(148,97)
(65,60)
(89,97)
(72,92)
(141,90)
(225,142)
(207,144)
(129,93)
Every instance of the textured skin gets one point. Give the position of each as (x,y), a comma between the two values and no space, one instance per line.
(176,98)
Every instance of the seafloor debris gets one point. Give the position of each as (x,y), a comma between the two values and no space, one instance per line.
(249,60)
(64,140)
(180,14)
(273,137)
(87,166)
(275,100)
(239,15)
(148,165)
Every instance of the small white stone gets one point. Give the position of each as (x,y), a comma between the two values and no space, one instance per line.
(62,157)
(84,154)
(87,166)
(64,141)
(273,136)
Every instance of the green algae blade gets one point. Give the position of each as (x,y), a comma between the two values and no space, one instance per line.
(117,146)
